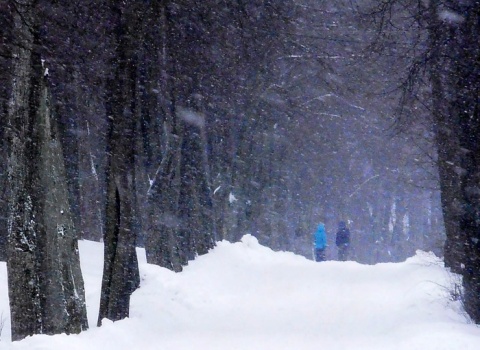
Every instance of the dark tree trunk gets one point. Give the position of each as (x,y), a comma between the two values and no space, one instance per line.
(179,197)
(120,272)
(455,76)
(466,104)
(447,144)
(3,193)
(180,200)
(5,77)
(45,282)
(196,229)
(162,243)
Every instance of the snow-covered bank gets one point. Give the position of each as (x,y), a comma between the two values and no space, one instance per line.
(245,296)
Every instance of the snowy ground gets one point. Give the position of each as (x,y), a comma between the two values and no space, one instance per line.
(244,296)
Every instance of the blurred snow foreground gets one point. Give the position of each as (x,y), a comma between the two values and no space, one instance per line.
(245,296)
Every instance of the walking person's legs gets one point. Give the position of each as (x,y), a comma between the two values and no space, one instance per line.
(342,252)
(319,254)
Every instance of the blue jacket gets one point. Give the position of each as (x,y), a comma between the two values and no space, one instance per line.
(320,237)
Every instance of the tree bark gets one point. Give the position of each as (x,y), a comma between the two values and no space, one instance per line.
(45,282)
(466,105)
(120,273)
(179,196)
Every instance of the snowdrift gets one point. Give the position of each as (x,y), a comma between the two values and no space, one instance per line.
(245,296)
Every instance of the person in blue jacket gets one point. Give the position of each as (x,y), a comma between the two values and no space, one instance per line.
(320,242)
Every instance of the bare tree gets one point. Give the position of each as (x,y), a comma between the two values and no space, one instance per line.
(450,60)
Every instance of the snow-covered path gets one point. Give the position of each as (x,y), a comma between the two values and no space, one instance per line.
(245,296)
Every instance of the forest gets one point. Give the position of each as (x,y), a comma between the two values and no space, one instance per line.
(175,124)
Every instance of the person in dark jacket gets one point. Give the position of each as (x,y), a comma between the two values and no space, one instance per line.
(320,242)
(343,241)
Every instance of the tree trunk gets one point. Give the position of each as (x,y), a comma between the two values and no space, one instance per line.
(455,76)
(45,282)
(179,196)
(120,272)
(162,246)
(466,105)
(447,138)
